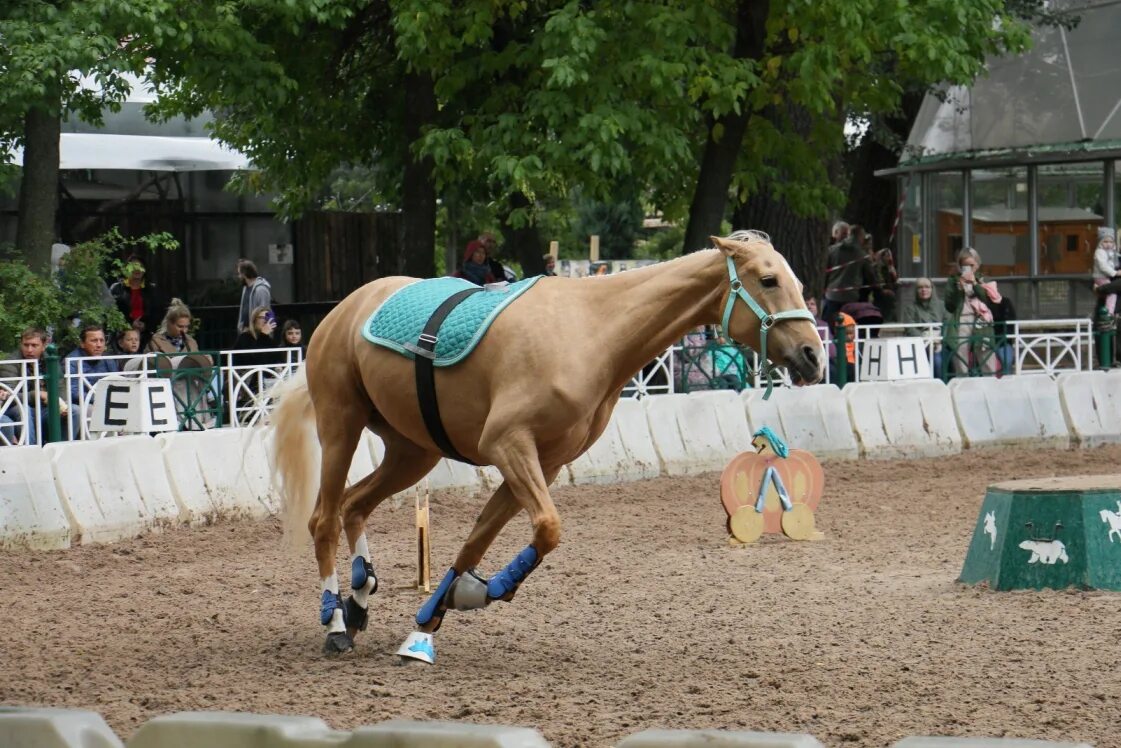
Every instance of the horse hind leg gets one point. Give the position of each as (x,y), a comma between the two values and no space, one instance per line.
(339,437)
(403,465)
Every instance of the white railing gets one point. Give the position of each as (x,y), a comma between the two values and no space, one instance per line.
(245,376)
(249,384)
(1049,346)
(20,404)
(1038,347)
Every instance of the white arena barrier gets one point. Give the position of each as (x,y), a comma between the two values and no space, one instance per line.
(1092,405)
(685,433)
(55,728)
(913,418)
(230,730)
(605,461)
(717,738)
(634,430)
(731,418)
(454,475)
(31,513)
(813,418)
(218,473)
(363,462)
(410,734)
(113,488)
(947,742)
(1014,410)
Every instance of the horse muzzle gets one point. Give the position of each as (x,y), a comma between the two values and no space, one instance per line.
(806,364)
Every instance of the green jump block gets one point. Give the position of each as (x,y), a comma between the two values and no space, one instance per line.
(1048,533)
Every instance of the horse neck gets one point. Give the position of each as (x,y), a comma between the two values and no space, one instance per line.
(644,311)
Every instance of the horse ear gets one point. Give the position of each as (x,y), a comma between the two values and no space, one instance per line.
(722,245)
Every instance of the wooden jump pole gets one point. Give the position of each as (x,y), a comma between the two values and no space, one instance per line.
(423,544)
(593,249)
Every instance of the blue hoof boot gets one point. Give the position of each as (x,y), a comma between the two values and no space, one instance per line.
(338,642)
(355,616)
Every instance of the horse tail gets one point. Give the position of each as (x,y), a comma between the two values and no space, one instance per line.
(295,455)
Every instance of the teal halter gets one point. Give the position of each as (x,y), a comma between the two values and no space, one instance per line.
(766,319)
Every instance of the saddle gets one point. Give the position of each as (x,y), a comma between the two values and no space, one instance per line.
(439,322)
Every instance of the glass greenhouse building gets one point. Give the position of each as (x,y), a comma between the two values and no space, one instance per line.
(1022,166)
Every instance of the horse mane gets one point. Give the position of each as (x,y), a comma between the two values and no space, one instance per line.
(750,237)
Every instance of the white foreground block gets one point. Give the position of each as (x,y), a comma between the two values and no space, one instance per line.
(31,512)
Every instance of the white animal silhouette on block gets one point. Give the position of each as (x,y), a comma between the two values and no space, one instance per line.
(1045,551)
(990,528)
(1113,519)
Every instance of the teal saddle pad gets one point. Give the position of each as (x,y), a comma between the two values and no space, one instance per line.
(401,318)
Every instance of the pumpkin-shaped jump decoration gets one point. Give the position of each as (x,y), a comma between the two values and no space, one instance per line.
(774,489)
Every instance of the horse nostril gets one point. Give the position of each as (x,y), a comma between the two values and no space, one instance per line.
(810,352)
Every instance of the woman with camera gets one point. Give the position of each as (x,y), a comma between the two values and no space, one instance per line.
(970,300)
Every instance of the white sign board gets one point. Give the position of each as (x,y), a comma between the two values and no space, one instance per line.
(888,359)
(135,406)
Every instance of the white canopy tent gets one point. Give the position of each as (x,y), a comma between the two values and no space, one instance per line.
(127,140)
(79,150)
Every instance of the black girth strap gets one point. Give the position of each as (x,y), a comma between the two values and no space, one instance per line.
(424,354)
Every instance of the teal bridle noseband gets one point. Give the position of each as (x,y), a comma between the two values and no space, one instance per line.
(766,319)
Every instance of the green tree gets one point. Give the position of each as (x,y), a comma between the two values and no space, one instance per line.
(59,59)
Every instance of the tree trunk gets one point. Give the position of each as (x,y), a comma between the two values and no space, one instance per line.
(711,197)
(872,200)
(38,190)
(418,201)
(802,241)
(524,244)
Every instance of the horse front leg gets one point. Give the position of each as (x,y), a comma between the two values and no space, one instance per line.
(462,588)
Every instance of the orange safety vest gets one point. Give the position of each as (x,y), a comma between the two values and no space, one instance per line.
(850,337)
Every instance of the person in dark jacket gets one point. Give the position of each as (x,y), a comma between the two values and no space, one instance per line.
(141,302)
(848,275)
(475,267)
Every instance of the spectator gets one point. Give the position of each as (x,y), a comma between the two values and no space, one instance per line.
(1106,269)
(822,327)
(969,300)
(886,282)
(849,324)
(173,335)
(1003,313)
(293,335)
(257,338)
(126,342)
(840,232)
(494,260)
(865,314)
(197,379)
(32,346)
(475,267)
(927,310)
(85,365)
(550,265)
(139,301)
(255,293)
(729,366)
(847,274)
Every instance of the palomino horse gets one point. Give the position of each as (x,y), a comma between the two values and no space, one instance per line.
(535,394)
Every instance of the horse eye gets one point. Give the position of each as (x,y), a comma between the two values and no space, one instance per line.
(769,281)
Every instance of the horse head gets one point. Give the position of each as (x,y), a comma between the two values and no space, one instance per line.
(763,306)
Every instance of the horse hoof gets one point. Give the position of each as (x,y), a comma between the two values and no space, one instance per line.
(419,647)
(338,642)
(355,616)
